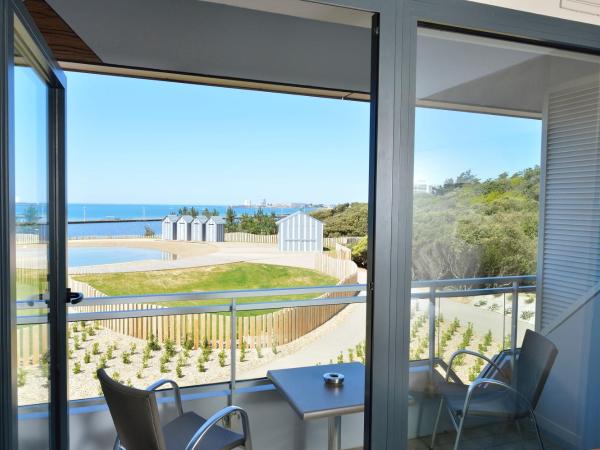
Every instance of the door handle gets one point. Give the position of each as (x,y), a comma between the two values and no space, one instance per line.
(73,297)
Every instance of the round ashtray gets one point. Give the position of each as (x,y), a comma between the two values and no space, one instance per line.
(333,378)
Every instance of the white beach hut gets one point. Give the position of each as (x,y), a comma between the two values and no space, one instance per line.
(215,229)
(169,227)
(199,228)
(184,228)
(300,232)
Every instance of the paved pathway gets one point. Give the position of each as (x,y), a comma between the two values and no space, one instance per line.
(342,332)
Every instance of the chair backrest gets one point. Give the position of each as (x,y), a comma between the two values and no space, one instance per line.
(134,413)
(536,358)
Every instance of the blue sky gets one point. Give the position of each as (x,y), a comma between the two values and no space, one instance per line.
(153,142)
(141,141)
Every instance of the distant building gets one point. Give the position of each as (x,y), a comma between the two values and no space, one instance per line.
(422,187)
(184,228)
(300,232)
(169,227)
(199,228)
(215,229)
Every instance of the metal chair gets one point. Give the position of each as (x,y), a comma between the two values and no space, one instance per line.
(492,400)
(135,416)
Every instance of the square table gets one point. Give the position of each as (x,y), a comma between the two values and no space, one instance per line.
(305,390)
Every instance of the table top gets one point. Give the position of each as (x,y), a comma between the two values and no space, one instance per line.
(307,393)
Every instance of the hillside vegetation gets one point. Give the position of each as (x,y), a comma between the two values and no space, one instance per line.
(464,228)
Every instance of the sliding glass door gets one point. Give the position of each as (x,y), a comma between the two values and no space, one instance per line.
(33,230)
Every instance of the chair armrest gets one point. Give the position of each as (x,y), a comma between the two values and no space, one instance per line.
(176,390)
(214,419)
(484,381)
(478,355)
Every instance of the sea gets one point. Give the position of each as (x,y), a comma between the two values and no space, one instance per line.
(85,214)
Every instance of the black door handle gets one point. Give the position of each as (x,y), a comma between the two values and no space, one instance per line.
(74,297)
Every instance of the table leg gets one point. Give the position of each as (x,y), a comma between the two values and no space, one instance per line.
(335,433)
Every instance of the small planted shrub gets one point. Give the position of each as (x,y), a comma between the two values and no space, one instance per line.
(87,357)
(76,368)
(351,354)
(153,344)
(132,348)
(163,368)
(188,344)
(186,353)
(526,315)
(70,353)
(274,347)
(170,348)
(179,372)
(129,383)
(102,362)
(115,345)
(164,359)
(206,349)
(126,357)
(90,331)
(139,374)
(200,364)
(75,328)
(116,376)
(109,352)
(147,354)
(21,377)
(96,325)
(222,357)
(243,350)
(340,358)
(76,343)
(84,336)
(45,364)
(145,362)
(95,348)
(259,352)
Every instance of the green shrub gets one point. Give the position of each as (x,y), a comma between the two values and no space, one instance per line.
(200,364)
(164,359)
(116,376)
(340,358)
(84,336)
(274,347)
(153,344)
(96,348)
(109,352)
(139,374)
(259,352)
(76,344)
(243,349)
(359,252)
(351,354)
(76,368)
(170,348)
(132,348)
(126,357)
(21,377)
(179,371)
(102,363)
(86,357)
(163,368)
(222,357)
(188,344)
(90,331)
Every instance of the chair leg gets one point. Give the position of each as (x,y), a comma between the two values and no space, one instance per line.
(459,432)
(437,421)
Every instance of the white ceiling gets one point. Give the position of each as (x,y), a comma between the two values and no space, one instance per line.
(578,10)
(305,10)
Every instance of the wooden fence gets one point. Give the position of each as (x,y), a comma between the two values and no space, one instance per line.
(251,238)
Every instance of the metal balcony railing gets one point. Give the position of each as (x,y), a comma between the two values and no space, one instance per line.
(432,290)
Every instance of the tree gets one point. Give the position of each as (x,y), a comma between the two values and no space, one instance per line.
(185,211)
(230,225)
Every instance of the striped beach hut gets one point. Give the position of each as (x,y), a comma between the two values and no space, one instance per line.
(184,228)
(169,227)
(300,232)
(199,228)
(215,229)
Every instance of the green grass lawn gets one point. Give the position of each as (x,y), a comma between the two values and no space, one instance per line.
(212,278)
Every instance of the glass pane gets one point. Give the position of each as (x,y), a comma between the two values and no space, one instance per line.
(31,219)
(478,136)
